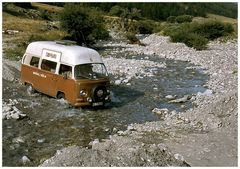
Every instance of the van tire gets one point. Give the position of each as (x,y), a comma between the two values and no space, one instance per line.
(30,89)
(60,95)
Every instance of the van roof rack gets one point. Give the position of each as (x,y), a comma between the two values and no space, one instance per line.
(66,42)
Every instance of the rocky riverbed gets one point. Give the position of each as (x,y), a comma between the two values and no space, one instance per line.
(205,135)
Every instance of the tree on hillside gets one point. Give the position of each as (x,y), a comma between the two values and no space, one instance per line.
(84,24)
(116,10)
(161,11)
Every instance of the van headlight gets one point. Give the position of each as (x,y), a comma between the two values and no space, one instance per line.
(83,93)
(89,99)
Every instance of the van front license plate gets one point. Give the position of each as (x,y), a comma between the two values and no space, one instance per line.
(98,104)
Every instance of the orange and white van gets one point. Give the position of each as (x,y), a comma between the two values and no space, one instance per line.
(63,69)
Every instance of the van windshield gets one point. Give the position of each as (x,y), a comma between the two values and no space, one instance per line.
(90,71)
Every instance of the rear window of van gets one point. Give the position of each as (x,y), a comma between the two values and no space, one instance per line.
(34,61)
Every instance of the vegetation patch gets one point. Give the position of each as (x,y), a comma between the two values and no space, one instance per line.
(83,24)
(183,18)
(171,19)
(213,30)
(14,53)
(146,27)
(88,22)
(197,35)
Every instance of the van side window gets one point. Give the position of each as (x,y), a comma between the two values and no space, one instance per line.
(48,65)
(34,61)
(65,70)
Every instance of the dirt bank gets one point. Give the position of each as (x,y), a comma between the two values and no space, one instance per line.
(205,135)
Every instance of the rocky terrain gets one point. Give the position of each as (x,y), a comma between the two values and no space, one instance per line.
(205,135)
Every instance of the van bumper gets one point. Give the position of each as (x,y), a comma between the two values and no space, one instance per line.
(80,104)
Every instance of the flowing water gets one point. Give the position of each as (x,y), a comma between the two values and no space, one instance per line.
(51,124)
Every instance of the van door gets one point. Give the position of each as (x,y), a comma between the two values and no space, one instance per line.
(65,82)
(48,78)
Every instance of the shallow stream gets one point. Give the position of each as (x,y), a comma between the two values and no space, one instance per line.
(51,124)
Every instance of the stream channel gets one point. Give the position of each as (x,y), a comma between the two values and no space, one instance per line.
(52,124)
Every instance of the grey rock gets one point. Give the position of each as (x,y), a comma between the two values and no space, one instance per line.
(179,157)
(41,140)
(25,160)
(185,98)
(15,116)
(18,140)
(170,97)
(11,32)
(7,108)
(125,81)
(120,133)
(160,111)
(117,82)
(207,92)
(96,141)
(163,113)
(183,106)
(130,128)
(115,130)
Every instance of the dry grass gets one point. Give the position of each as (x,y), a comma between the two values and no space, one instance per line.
(28,27)
(213,17)
(222,18)
(30,30)
(25,25)
(47,7)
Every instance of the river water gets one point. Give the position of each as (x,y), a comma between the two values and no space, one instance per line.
(52,124)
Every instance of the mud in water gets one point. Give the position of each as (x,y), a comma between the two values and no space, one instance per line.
(52,124)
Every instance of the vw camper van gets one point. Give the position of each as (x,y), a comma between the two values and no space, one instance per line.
(62,69)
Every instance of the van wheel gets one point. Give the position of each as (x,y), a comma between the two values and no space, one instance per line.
(30,89)
(61,96)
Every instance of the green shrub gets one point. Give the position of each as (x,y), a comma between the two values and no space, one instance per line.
(193,40)
(183,33)
(197,35)
(178,36)
(171,19)
(196,41)
(83,24)
(228,29)
(168,30)
(158,28)
(45,15)
(213,29)
(134,13)
(145,27)
(184,18)
(116,11)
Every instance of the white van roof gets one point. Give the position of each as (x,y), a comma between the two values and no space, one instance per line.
(70,54)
